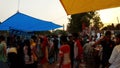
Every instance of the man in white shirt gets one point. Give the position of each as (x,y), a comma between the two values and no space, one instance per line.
(115,56)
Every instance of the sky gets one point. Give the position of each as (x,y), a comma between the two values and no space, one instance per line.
(49,10)
(109,16)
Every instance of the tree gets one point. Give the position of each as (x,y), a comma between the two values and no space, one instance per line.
(77,21)
(57,32)
(97,24)
(117,27)
(112,27)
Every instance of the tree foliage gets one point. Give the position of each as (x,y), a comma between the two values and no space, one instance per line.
(112,27)
(76,21)
(57,32)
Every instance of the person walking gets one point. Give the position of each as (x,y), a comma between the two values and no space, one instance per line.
(78,50)
(107,45)
(28,56)
(71,44)
(115,56)
(44,46)
(12,53)
(3,56)
(33,45)
(64,53)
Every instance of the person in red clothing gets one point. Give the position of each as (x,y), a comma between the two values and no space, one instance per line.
(64,53)
(44,45)
(78,50)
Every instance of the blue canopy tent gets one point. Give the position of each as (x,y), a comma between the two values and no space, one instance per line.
(3,28)
(22,22)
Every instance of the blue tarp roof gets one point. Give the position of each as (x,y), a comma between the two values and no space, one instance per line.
(23,22)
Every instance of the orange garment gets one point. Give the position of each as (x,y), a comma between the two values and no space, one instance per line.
(33,48)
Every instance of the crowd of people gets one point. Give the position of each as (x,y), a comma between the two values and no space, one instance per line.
(67,50)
